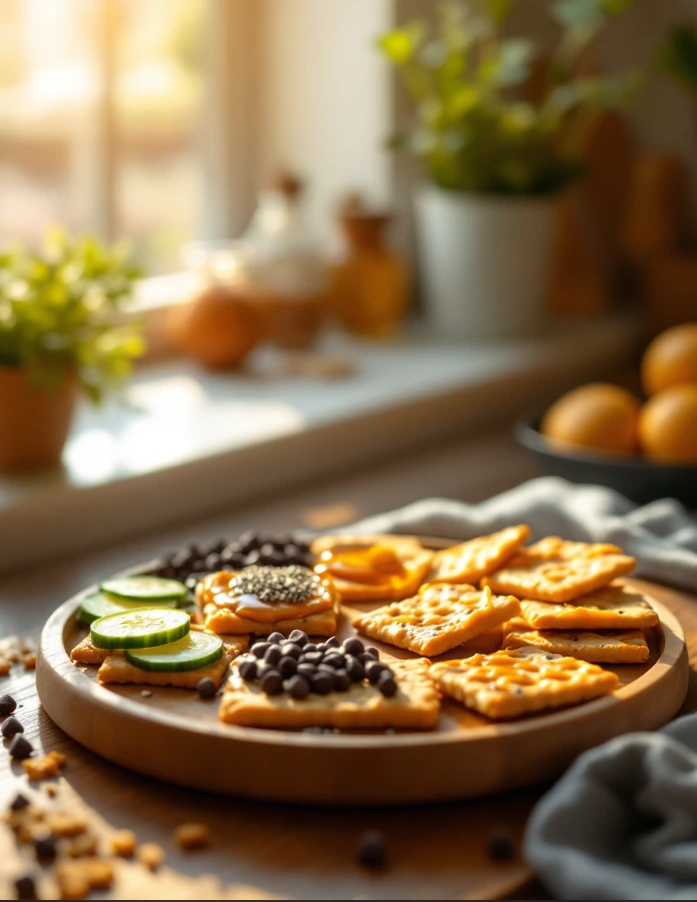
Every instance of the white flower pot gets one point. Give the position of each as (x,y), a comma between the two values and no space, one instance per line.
(484,262)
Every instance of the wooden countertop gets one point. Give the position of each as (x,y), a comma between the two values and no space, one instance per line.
(265,850)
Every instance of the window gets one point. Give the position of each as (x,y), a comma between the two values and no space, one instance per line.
(100,106)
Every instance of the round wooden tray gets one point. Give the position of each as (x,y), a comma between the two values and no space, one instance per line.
(173,735)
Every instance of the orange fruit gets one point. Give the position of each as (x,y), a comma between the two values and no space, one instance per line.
(598,416)
(668,425)
(670,359)
(218,328)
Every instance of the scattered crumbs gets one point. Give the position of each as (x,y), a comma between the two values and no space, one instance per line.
(191,837)
(76,879)
(5,666)
(151,855)
(146,693)
(44,768)
(29,661)
(123,843)
(67,824)
(51,789)
(80,846)
(371,851)
(25,887)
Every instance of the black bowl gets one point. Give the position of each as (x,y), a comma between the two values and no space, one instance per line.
(640,480)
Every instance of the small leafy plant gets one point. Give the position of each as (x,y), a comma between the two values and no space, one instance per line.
(476,127)
(61,313)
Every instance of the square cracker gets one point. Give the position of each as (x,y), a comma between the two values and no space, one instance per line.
(440,617)
(469,562)
(611,608)
(508,684)
(415,706)
(609,647)
(557,571)
(116,669)
(221,620)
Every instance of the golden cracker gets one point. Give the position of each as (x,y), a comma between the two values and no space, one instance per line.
(511,683)
(469,562)
(415,706)
(440,617)
(558,571)
(85,653)
(611,608)
(609,647)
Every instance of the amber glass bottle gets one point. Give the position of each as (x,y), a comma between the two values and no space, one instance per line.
(370,285)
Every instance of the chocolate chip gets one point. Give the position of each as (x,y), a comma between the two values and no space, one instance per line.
(181,560)
(312,657)
(20,747)
(372,650)
(299,637)
(297,686)
(308,560)
(374,671)
(333,642)
(325,668)
(365,658)
(371,850)
(310,647)
(341,681)
(292,650)
(25,887)
(249,541)
(273,654)
(274,559)
(335,660)
(11,727)
(287,666)
(322,682)
(500,845)
(355,669)
(206,688)
(353,646)
(386,684)
(45,848)
(248,668)
(267,549)
(306,669)
(252,558)
(212,562)
(322,647)
(19,802)
(280,541)
(277,638)
(259,649)
(7,705)
(271,682)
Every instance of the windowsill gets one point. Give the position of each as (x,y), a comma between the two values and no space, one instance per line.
(183,441)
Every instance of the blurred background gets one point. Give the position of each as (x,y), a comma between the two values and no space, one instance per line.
(291,237)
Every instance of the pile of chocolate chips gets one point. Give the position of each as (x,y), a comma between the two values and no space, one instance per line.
(297,666)
(190,564)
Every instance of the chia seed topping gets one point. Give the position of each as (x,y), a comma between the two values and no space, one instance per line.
(293,584)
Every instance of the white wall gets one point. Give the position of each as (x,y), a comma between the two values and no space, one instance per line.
(325,97)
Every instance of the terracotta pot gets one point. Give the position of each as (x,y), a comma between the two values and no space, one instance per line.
(34,421)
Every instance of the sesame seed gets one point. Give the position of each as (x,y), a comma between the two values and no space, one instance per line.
(293,584)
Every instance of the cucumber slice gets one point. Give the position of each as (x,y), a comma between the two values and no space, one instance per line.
(99,605)
(140,628)
(144,588)
(190,653)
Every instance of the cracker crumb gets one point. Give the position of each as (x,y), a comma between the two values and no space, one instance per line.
(78,878)
(10,649)
(5,667)
(191,837)
(44,768)
(146,693)
(80,846)
(123,843)
(63,824)
(151,855)
(51,789)
(29,661)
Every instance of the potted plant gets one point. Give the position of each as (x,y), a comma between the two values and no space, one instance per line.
(497,130)
(61,330)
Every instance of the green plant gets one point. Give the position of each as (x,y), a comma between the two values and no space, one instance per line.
(61,313)
(475,130)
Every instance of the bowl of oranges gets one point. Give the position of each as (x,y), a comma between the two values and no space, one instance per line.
(644,447)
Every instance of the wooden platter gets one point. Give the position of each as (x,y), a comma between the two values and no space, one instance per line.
(175,736)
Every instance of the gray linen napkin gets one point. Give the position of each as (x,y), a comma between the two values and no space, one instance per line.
(662,535)
(622,822)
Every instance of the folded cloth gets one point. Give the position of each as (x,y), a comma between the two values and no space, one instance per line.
(662,536)
(622,822)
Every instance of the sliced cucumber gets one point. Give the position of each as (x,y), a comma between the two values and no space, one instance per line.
(190,653)
(99,605)
(144,588)
(140,628)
